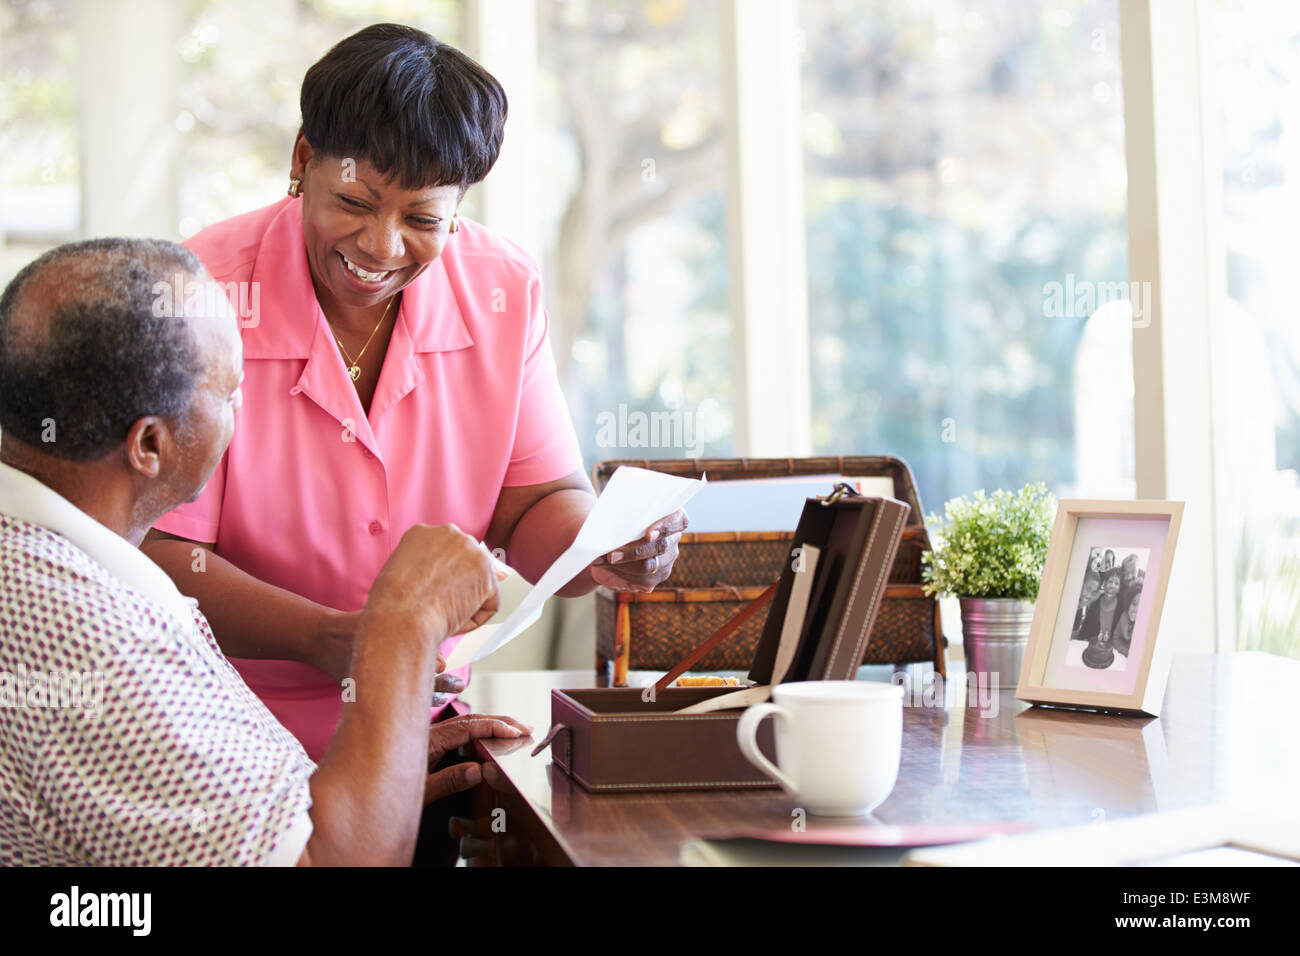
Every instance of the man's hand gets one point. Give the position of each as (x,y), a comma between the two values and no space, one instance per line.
(334,655)
(439,577)
(456,732)
(336,633)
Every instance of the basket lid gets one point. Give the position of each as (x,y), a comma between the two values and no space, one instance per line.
(733,469)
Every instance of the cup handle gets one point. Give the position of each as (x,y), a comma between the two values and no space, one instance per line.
(747,737)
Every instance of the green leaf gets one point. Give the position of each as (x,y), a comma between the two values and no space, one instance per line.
(991,546)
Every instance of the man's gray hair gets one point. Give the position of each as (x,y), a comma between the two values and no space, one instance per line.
(83,354)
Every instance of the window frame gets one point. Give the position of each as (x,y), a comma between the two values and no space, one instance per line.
(1175,243)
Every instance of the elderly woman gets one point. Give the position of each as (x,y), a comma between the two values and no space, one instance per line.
(397,372)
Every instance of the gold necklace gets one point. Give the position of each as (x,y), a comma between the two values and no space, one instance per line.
(354,367)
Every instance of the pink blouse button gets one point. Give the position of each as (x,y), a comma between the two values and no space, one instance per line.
(376,528)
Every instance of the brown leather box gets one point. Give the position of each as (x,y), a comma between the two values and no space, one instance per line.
(615,739)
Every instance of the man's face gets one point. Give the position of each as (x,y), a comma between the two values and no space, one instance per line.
(217,396)
(353,219)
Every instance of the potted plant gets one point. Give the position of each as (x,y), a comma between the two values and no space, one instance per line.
(989,552)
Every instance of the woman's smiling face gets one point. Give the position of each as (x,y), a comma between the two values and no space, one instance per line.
(366,236)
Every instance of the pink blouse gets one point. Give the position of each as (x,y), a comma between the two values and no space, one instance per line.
(314,494)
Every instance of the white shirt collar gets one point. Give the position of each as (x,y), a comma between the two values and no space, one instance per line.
(25,498)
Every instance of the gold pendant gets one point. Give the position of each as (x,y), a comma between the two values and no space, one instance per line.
(355,372)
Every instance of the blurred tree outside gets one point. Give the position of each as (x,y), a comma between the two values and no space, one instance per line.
(959,158)
(956,162)
(1257,68)
(636,263)
(40,163)
(242,69)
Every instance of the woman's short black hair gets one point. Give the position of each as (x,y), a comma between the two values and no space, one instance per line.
(413,107)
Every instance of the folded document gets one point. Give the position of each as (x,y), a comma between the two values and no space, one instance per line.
(633,500)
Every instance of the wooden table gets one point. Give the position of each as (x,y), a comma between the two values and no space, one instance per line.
(1229,731)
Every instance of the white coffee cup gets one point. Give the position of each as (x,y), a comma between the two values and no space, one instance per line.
(838,743)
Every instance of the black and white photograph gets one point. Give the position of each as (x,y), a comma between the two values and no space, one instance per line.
(1107,608)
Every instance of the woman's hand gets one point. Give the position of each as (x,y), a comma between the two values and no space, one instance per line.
(642,564)
(331,650)
(447,735)
(446,687)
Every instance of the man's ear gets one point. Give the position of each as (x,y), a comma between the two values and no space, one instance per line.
(150,443)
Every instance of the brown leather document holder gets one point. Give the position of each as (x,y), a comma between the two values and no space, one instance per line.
(632,738)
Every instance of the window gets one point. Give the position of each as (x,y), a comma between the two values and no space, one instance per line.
(965,192)
(40,187)
(1257,69)
(240,75)
(630,174)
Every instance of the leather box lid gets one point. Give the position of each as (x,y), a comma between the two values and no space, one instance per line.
(858,538)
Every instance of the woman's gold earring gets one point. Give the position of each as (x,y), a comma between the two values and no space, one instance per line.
(455,225)
(295,187)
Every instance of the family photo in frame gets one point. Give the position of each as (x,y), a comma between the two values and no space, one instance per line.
(1094,642)
(1108,603)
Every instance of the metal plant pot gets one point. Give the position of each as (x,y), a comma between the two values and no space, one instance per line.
(994,634)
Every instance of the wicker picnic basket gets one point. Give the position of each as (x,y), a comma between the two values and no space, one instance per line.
(718,573)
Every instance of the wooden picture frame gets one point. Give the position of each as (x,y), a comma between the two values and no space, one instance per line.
(1073,659)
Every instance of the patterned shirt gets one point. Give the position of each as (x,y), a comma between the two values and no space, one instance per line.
(126,738)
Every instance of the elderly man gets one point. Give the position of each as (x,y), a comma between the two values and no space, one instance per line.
(127,736)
